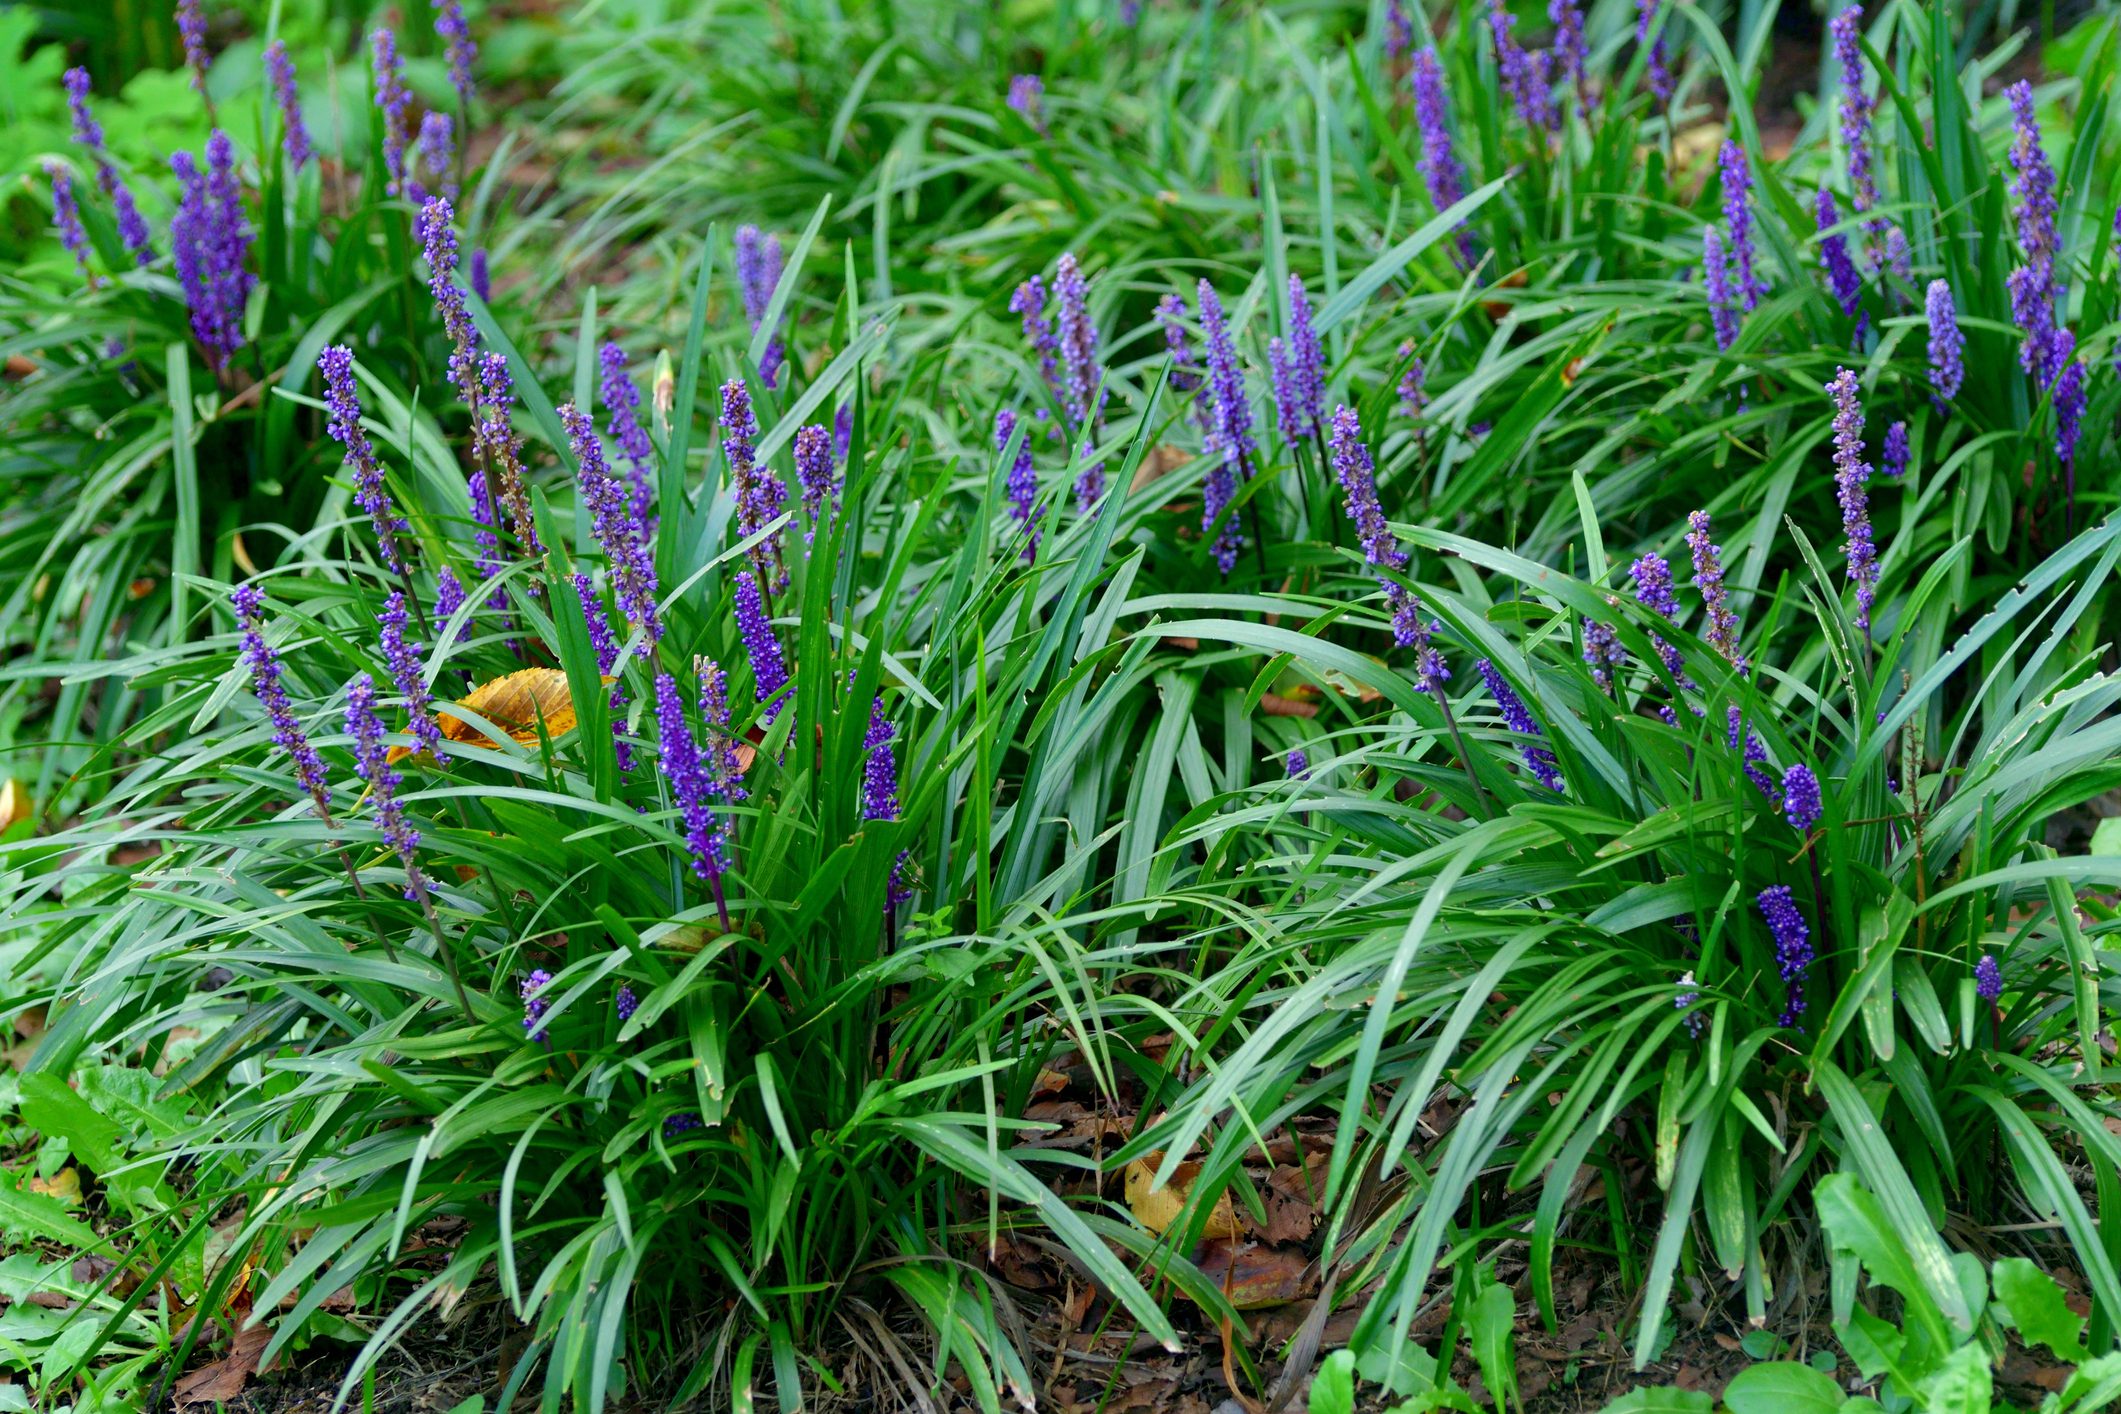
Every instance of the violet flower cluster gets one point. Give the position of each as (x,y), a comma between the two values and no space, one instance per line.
(769,672)
(1754,757)
(433,169)
(1230,438)
(1082,374)
(1022,486)
(1441,171)
(535,1005)
(402,657)
(1299,371)
(456,38)
(294,133)
(211,244)
(1894,455)
(604,644)
(691,783)
(1523,73)
(759,494)
(1399,30)
(1297,764)
(758,272)
(372,762)
(1571,51)
(1841,274)
(1793,947)
(1801,802)
(1988,978)
(633,577)
(1721,630)
(264,666)
(394,101)
(622,414)
(2032,284)
(1413,388)
(880,767)
(1716,285)
(1537,759)
(1027,96)
(1947,347)
(1657,69)
(132,229)
(191,29)
(1652,579)
(816,473)
(1738,222)
(1854,112)
(1357,474)
(1602,651)
(1851,474)
(1029,303)
(66,216)
(342,403)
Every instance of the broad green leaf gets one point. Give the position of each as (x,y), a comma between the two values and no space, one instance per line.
(1781,1387)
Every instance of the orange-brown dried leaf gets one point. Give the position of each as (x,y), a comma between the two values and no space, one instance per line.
(1252,1274)
(515,704)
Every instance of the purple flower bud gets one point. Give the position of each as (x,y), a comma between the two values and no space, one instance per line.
(1022,487)
(769,673)
(191,28)
(1894,458)
(1537,759)
(294,133)
(632,561)
(1800,797)
(1441,170)
(625,1003)
(456,37)
(343,403)
(1851,474)
(534,1005)
(1738,221)
(481,281)
(373,764)
(486,516)
(403,659)
(622,412)
(816,474)
(759,494)
(66,216)
(1988,978)
(264,666)
(691,784)
(880,772)
(1657,70)
(758,272)
(1793,946)
(1722,628)
(1299,765)
(394,100)
(2032,285)
(1027,95)
(1947,346)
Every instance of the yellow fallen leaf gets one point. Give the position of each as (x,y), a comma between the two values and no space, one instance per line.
(64,1185)
(1158,1209)
(14,804)
(515,704)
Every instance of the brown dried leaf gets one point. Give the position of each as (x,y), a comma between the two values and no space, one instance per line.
(65,1185)
(1253,1274)
(1275,705)
(224,1379)
(515,704)
(1161,461)
(1158,1209)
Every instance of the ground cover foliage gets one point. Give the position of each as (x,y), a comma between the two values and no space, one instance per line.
(974,688)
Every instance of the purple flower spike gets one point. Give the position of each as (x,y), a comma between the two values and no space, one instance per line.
(1413,388)
(691,783)
(1851,474)
(1029,303)
(1800,797)
(1399,30)
(87,131)
(1230,437)
(1022,487)
(1523,75)
(403,659)
(1357,474)
(373,763)
(438,243)
(1082,376)
(449,595)
(1754,758)
(1738,221)
(434,157)
(2032,285)
(1602,651)
(768,671)
(758,492)
(2068,395)
(622,412)
(1893,459)
(264,665)
(534,1005)
(211,244)
(1688,994)
(456,38)
(1027,95)
(1652,578)
(495,443)
(1793,947)
(1722,628)
(632,561)
(720,755)
(294,133)
(1298,764)
(1988,978)
(1947,346)
(1570,50)
(191,28)
(1716,284)
(1537,759)
(66,217)
(481,280)
(394,100)
(343,403)
(1299,371)
(817,474)
(880,772)
(487,517)
(625,1003)
(1841,276)
(1441,171)
(758,272)
(1657,70)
